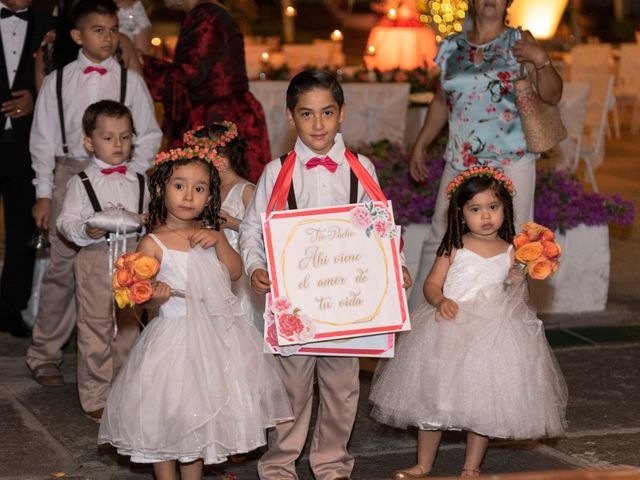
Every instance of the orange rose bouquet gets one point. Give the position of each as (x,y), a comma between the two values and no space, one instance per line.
(537,251)
(132,278)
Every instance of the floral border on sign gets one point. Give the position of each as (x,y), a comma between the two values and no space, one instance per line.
(294,325)
(373,219)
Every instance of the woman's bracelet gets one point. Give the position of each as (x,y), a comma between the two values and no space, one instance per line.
(548,62)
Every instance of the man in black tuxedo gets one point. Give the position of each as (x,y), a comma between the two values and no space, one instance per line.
(22,30)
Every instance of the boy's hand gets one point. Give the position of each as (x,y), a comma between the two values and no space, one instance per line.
(40,211)
(260,281)
(447,308)
(406,278)
(205,237)
(94,233)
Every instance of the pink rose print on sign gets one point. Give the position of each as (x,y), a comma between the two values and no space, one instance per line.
(289,325)
(281,305)
(360,217)
(373,220)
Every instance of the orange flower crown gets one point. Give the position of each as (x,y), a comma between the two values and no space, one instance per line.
(479,171)
(204,148)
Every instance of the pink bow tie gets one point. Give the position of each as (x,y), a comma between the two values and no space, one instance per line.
(90,69)
(119,169)
(326,162)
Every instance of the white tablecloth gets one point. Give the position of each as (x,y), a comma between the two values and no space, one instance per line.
(373,111)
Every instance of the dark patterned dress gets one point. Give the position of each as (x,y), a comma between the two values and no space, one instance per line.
(207,82)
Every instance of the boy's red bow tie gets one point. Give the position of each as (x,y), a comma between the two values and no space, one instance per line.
(119,169)
(90,69)
(326,162)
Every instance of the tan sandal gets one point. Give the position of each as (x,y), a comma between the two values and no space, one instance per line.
(404,475)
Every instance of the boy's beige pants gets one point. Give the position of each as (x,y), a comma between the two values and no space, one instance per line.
(339,388)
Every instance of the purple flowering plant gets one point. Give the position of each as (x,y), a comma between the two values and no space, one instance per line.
(413,202)
(561,203)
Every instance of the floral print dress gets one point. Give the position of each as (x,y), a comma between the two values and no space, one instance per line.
(484,125)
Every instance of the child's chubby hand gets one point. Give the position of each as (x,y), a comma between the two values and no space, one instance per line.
(94,233)
(406,278)
(205,237)
(160,294)
(260,281)
(517,273)
(446,308)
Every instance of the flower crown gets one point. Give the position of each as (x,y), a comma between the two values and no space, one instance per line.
(187,152)
(479,171)
(221,140)
(204,148)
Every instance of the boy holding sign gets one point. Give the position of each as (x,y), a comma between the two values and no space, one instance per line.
(321,178)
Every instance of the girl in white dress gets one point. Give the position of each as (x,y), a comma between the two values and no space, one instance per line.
(196,387)
(236,193)
(477,358)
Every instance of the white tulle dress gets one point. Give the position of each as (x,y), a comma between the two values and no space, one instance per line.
(489,371)
(251,302)
(196,384)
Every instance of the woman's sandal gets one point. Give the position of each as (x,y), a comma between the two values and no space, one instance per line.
(470,472)
(404,475)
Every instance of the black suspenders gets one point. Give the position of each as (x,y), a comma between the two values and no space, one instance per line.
(353,187)
(59,72)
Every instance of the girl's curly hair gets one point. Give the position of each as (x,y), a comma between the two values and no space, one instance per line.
(158,180)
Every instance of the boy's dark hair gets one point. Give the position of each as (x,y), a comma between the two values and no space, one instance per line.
(309,80)
(158,180)
(234,149)
(456,227)
(106,108)
(84,8)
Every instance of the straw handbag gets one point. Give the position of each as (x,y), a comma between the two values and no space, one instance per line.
(541,122)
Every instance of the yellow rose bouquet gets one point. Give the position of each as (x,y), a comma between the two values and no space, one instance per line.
(537,251)
(132,278)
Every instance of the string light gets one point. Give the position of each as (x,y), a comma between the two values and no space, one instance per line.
(445,16)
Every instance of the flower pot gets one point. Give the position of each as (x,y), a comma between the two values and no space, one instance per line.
(581,284)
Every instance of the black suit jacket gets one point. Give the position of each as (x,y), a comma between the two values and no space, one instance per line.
(39,23)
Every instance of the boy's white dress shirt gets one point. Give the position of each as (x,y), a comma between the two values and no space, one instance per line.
(112,189)
(79,90)
(316,187)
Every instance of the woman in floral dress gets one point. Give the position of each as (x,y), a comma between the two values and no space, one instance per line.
(476,98)
(207,81)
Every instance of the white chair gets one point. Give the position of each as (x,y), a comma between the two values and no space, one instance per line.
(627,90)
(593,61)
(375,111)
(593,140)
(573,108)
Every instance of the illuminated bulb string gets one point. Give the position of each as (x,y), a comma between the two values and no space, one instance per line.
(445,16)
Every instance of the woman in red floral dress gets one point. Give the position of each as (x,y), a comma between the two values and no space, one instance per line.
(207,81)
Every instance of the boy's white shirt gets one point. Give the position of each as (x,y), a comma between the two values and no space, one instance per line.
(316,187)
(112,189)
(79,90)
